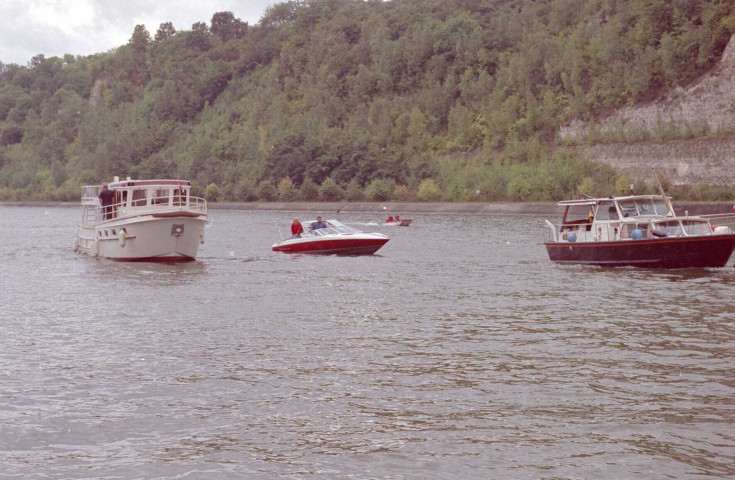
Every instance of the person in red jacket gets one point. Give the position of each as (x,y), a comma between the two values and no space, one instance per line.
(296,228)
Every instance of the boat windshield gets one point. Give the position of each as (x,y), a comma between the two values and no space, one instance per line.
(696,227)
(333,228)
(643,206)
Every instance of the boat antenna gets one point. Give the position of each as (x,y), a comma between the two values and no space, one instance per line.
(279,230)
(666,199)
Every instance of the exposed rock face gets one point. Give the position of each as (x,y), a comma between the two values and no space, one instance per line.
(96,94)
(705,161)
(709,101)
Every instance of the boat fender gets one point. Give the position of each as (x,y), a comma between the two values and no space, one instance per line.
(659,233)
(96,247)
(637,234)
(122,237)
(201,238)
(571,237)
(76,244)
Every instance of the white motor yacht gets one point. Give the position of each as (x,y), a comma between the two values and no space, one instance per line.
(148,221)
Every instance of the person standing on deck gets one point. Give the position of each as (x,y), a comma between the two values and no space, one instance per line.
(106,197)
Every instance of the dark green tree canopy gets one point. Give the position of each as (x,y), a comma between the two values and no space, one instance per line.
(360,94)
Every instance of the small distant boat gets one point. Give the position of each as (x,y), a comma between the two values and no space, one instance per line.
(148,221)
(337,238)
(636,230)
(397,222)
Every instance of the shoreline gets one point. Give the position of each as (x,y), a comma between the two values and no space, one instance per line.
(410,208)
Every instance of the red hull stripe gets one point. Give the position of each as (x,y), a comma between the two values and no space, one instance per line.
(143,183)
(333,246)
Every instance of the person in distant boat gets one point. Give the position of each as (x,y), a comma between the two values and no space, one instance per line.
(106,197)
(398,219)
(296,228)
(318,224)
(390,219)
(590,219)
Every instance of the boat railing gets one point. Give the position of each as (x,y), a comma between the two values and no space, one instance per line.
(722,219)
(595,232)
(577,233)
(120,210)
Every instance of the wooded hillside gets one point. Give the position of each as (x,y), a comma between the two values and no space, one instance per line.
(348,99)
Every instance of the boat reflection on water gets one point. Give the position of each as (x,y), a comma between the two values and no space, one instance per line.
(337,238)
(636,230)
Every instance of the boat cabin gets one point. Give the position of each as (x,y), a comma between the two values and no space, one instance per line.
(138,196)
(624,218)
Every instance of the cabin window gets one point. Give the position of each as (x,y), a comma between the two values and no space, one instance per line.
(160,197)
(139,198)
(606,211)
(695,228)
(628,208)
(671,228)
(179,196)
(645,207)
(660,207)
(123,197)
(577,214)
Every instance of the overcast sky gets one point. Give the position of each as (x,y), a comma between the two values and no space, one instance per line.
(85,27)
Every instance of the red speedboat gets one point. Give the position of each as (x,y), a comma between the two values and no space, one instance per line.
(397,223)
(337,239)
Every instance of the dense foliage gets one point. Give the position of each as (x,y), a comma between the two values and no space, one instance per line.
(349,99)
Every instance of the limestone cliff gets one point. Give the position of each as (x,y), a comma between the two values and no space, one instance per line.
(707,104)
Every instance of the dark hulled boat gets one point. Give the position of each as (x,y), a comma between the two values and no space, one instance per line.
(638,230)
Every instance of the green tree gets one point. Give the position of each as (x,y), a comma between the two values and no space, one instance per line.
(266,191)
(211,193)
(227,27)
(429,190)
(519,188)
(353,193)
(586,186)
(165,30)
(379,190)
(329,191)
(286,190)
(140,40)
(309,190)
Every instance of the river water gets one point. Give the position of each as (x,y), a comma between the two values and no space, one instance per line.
(457,351)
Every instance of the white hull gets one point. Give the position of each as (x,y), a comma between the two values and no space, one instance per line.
(144,238)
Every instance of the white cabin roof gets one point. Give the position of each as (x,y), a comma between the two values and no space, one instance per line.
(595,201)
